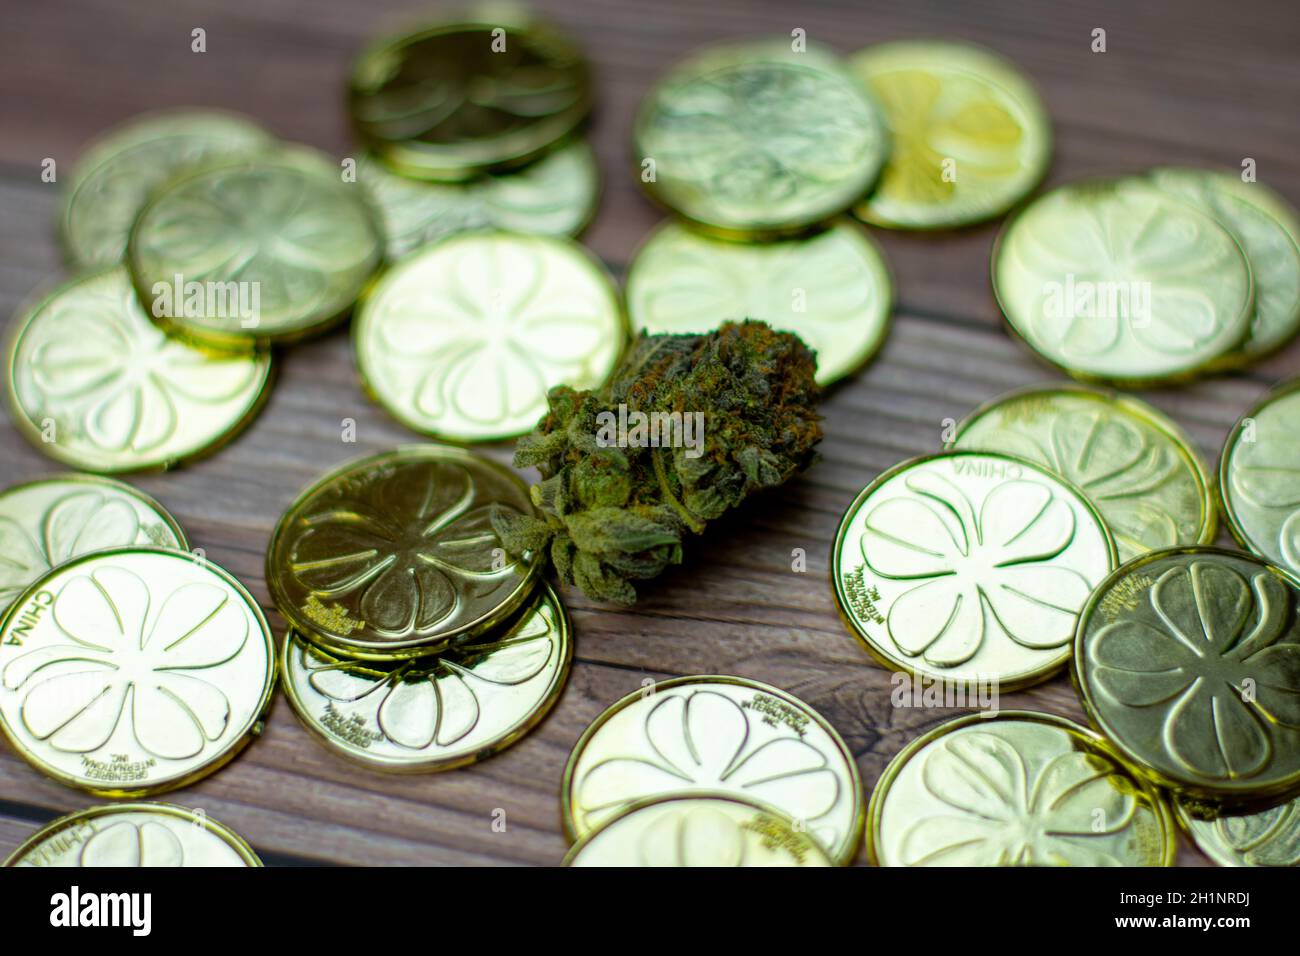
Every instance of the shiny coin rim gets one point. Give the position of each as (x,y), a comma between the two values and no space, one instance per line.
(228,836)
(104,481)
(250,729)
(395,651)
(487,748)
(1225,796)
(1147,414)
(852,841)
(719,796)
(1216,850)
(880,793)
(1008,683)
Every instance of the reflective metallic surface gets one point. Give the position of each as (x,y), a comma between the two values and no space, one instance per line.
(1265,838)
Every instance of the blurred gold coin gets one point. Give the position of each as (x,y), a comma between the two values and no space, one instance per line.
(1263,838)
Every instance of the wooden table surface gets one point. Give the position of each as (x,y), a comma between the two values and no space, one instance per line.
(1194,83)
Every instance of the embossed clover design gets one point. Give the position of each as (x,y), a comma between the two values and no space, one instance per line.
(700,836)
(701,740)
(504,335)
(1269,838)
(1269,475)
(128,373)
(78,522)
(1219,668)
(1006,815)
(971,567)
(403,549)
(130,844)
(76,694)
(421,708)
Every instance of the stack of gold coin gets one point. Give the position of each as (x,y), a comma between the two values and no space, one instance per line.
(415,642)
(711,771)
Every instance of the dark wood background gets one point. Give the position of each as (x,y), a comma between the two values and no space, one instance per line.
(1181,82)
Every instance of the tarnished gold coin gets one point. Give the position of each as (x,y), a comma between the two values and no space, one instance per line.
(695,736)
(46,522)
(713,830)
(969,567)
(94,384)
(1132,462)
(1265,838)
(111,181)
(451,100)
(1259,478)
(554,196)
(832,289)
(267,249)
(1018,789)
(1189,660)
(1119,281)
(754,138)
(135,834)
(133,671)
(447,711)
(970,136)
(462,339)
(1266,228)
(393,556)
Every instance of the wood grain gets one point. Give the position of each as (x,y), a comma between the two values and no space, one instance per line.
(1193,83)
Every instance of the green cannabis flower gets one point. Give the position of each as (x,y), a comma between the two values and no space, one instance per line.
(688,427)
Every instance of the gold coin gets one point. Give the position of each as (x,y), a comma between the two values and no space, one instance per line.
(554,196)
(44,523)
(94,384)
(1120,281)
(713,830)
(1259,478)
(707,735)
(832,289)
(267,249)
(458,708)
(753,138)
(134,834)
(455,99)
(1018,789)
(969,567)
(1187,660)
(1132,462)
(1266,228)
(970,135)
(110,183)
(1265,838)
(134,671)
(394,556)
(462,339)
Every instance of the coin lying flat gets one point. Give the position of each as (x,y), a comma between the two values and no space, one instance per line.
(110,183)
(44,523)
(698,831)
(970,135)
(133,671)
(1259,478)
(969,567)
(135,834)
(1131,461)
(456,99)
(394,556)
(753,138)
(1266,229)
(1120,281)
(1188,660)
(1019,789)
(462,339)
(709,735)
(460,707)
(554,196)
(94,384)
(263,250)
(832,289)
(1266,838)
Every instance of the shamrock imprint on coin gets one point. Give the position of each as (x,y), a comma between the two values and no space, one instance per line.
(1268,838)
(131,844)
(1266,473)
(74,695)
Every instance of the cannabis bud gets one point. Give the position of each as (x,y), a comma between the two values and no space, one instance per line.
(688,427)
